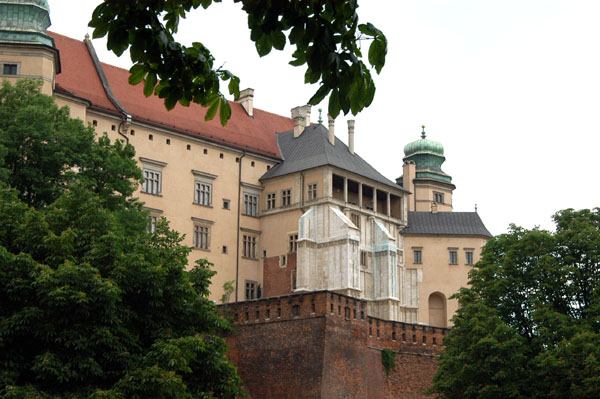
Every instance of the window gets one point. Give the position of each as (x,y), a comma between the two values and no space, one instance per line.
(438,197)
(355,217)
(201,237)
(250,204)
(226,204)
(282,260)
(152,176)
(286,197)
(453,258)
(249,246)
(294,283)
(152,224)
(468,257)
(312,191)
(203,187)
(202,194)
(363,258)
(10,69)
(417,256)
(152,182)
(224,249)
(271,201)
(252,290)
(293,243)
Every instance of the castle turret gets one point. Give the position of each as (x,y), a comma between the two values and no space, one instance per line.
(423,176)
(26,51)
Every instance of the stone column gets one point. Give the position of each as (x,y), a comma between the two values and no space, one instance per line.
(360,195)
(345,190)
(374,200)
(389,207)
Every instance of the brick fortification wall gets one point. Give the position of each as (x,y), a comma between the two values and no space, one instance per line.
(323,345)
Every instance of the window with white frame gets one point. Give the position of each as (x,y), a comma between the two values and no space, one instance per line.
(152,224)
(438,197)
(271,201)
(153,173)
(201,237)
(203,193)
(250,204)
(453,257)
(417,256)
(286,197)
(468,257)
(293,243)
(312,191)
(203,187)
(249,246)
(152,182)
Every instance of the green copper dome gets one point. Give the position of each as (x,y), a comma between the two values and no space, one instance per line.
(423,145)
(25,21)
(428,157)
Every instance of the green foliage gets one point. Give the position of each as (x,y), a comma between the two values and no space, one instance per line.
(228,288)
(387,359)
(529,326)
(93,305)
(326,36)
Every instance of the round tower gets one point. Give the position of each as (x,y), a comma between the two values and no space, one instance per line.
(26,51)
(423,176)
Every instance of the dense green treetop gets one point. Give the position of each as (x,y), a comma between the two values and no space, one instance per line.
(529,325)
(92,305)
(326,35)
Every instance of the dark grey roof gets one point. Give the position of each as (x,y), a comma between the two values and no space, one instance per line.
(312,149)
(446,223)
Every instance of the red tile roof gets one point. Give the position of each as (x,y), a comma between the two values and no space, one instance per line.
(79,77)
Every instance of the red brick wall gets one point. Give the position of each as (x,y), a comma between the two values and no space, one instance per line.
(277,280)
(317,345)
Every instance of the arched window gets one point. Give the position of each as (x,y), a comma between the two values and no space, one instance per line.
(437,310)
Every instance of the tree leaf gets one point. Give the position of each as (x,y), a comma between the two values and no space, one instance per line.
(224,111)
(149,84)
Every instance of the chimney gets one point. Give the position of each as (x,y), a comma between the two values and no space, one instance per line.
(306,111)
(246,99)
(351,136)
(331,129)
(299,120)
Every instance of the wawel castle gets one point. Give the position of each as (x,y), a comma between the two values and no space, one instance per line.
(278,203)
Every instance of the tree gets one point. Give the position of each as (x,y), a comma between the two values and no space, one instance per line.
(529,325)
(92,305)
(326,35)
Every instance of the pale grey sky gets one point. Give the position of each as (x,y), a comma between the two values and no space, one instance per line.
(511,88)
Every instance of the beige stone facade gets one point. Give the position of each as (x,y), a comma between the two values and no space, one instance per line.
(227,190)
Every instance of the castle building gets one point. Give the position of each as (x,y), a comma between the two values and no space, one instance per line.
(279,204)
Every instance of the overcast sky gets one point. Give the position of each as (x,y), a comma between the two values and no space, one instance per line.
(511,88)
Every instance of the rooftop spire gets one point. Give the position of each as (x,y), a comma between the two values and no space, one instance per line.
(320,118)
(423,135)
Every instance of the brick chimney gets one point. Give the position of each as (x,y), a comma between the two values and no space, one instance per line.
(331,129)
(246,99)
(351,136)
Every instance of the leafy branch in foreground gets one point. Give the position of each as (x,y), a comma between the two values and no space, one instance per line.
(326,36)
